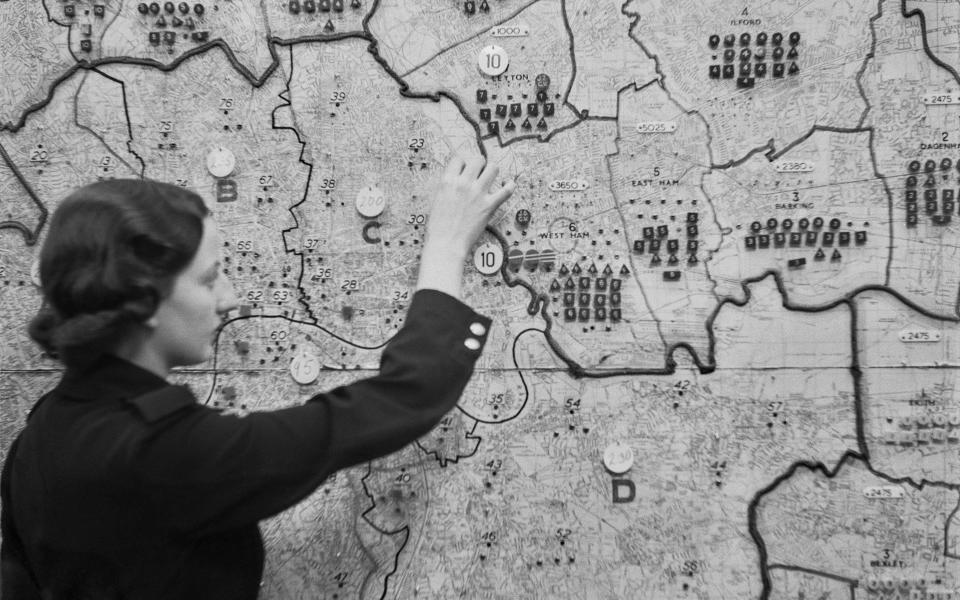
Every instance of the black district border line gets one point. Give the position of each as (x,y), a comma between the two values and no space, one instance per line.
(541,300)
(849,456)
(83,64)
(463,41)
(851,583)
(578,371)
(405,530)
(126,112)
(863,453)
(917,12)
(30,236)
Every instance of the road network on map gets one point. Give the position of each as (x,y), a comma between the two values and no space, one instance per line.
(733,251)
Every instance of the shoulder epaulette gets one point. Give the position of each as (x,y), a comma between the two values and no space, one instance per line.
(163,402)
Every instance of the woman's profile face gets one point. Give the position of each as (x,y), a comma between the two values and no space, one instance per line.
(186,321)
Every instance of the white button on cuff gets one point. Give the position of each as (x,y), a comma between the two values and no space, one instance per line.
(472,343)
(477,329)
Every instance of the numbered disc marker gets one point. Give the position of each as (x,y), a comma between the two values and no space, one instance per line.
(371,201)
(493,61)
(221,162)
(488,258)
(618,458)
(305,368)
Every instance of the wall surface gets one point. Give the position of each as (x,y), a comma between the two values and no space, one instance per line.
(734,254)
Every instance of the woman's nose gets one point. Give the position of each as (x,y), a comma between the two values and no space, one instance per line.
(227,299)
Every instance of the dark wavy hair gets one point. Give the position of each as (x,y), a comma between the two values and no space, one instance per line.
(110,255)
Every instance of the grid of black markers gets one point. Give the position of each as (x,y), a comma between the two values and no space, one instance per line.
(929,184)
(590,295)
(826,236)
(656,243)
(511,115)
(747,58)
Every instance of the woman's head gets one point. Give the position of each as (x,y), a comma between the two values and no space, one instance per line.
(112,257)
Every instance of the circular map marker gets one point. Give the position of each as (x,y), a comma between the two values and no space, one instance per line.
(221,161)
(305,368)
(35,272)
(523,217)
(371,201)
(488,258)
(493,60)
(618,458)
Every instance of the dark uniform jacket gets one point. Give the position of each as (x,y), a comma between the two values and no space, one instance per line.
(124,486)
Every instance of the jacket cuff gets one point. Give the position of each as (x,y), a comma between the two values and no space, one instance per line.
(463,330)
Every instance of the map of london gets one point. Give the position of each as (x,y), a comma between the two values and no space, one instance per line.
(734,249)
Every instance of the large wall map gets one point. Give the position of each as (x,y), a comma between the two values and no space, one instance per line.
(734,249)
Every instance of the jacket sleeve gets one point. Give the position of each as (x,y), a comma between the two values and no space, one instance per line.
(16,580)
(206,471)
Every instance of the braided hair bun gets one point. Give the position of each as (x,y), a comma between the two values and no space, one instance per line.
(110,255)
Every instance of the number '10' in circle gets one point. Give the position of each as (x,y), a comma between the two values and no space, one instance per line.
(493,61)
(488,258)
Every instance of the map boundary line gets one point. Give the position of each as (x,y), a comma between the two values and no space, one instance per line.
(443,51)
(30,237)
(918,12)
(850,583)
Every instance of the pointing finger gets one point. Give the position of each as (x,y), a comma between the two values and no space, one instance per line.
(500,196)
(488,176)
(454,167)
(473,168)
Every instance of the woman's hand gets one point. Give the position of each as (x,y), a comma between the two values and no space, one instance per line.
(462,205)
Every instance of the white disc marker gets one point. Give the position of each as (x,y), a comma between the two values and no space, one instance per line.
(35,273)
(493,61)
(488,258)
(371,201)
(618,458)
(305,368)
(221,162)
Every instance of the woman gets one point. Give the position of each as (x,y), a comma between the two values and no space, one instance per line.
(124,486)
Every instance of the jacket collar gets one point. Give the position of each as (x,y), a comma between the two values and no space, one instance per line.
(108,377)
